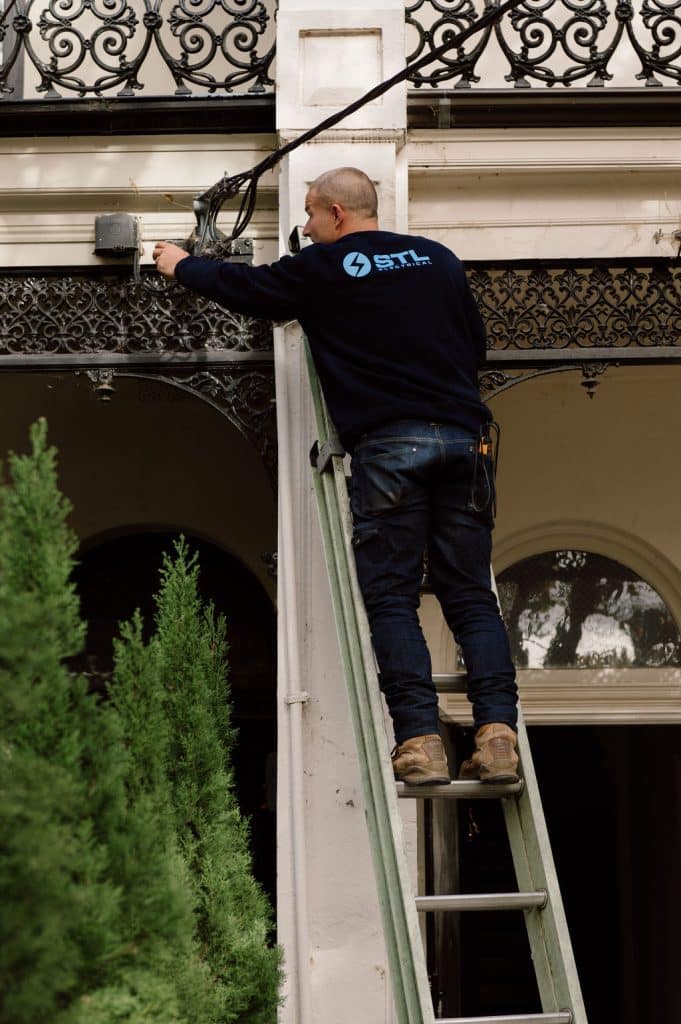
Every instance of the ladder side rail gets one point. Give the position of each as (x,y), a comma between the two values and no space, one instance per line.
(388,880)
(401,928)
(555,967)
(384,830)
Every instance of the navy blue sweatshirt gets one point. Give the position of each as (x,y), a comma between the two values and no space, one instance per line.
(394,330)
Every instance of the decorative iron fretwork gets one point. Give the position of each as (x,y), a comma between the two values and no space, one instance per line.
(91,47)
(578,306)
(540,318)
(79,313)
(590,371)
(103,383)
(245,396)
(493,382)
(528,309)
(433,22)
(553,42)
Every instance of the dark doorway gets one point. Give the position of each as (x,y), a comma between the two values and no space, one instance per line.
(119,575)
(612,799)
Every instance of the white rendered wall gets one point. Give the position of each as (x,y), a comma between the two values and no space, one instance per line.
(52,189)
(512,194)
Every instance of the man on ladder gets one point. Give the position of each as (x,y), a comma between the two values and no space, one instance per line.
(397,341)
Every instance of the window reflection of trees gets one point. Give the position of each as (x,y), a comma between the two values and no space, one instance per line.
(574,609)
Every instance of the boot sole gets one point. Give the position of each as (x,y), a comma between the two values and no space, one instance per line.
(500,778)
(424,778)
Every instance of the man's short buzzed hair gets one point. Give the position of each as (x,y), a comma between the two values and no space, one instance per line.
(349,187)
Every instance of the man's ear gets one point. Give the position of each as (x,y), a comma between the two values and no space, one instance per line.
(338,214)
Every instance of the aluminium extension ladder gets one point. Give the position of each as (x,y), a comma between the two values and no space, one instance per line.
(539,897)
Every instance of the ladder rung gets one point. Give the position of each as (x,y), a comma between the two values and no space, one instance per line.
(563,1017)
(483,901)
(454,682)
(460,790)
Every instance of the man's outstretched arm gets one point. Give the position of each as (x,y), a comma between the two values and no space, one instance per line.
(273,292)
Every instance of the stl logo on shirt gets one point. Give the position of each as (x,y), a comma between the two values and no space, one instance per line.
(356,264)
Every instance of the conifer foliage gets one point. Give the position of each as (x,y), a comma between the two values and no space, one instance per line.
(125,872)
(59,919)
(171,694)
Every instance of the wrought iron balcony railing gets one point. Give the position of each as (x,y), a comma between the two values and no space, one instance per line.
(96,47)
(580,307)
(551,42)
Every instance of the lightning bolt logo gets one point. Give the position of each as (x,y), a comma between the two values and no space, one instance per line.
(356,264)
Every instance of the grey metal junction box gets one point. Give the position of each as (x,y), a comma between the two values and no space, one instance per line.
(116,234)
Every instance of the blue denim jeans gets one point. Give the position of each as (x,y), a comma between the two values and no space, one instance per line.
(420,487)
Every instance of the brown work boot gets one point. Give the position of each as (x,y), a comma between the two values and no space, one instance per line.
(494,759)
(421,761)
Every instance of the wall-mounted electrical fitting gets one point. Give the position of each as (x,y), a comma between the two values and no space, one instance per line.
(118,235)
(676,239)
(297,240)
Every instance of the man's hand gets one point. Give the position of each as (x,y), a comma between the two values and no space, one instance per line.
(167,256)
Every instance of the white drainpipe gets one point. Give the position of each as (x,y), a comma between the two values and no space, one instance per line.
(297,958)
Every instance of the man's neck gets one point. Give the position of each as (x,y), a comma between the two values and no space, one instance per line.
(359,225)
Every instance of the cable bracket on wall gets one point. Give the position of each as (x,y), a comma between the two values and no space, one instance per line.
(298,697)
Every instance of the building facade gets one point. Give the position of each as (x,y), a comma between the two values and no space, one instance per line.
(546,152)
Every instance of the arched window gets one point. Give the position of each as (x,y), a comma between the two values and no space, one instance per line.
(575,609)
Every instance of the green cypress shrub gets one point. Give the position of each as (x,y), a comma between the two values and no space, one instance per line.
(125,875)
(59,920)
(233,918)
(192,909)
(158,899)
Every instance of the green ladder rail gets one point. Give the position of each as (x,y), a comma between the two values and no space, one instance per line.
(539,894)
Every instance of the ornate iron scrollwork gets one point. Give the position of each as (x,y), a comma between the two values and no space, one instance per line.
(553,42)
(544,318)
(493,382)
(443,19)
(662,18)
(579,306)
(69,313)
(246,397)
(91,47)
(527,308)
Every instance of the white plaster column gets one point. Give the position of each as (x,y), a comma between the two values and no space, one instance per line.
(329,921)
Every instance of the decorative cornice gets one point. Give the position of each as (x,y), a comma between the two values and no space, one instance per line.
(524,150)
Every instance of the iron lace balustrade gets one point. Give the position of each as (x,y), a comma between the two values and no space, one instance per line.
(93,47)
(551,42)
(619,307)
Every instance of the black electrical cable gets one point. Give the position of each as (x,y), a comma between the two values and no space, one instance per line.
(228,187)
(5,13)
